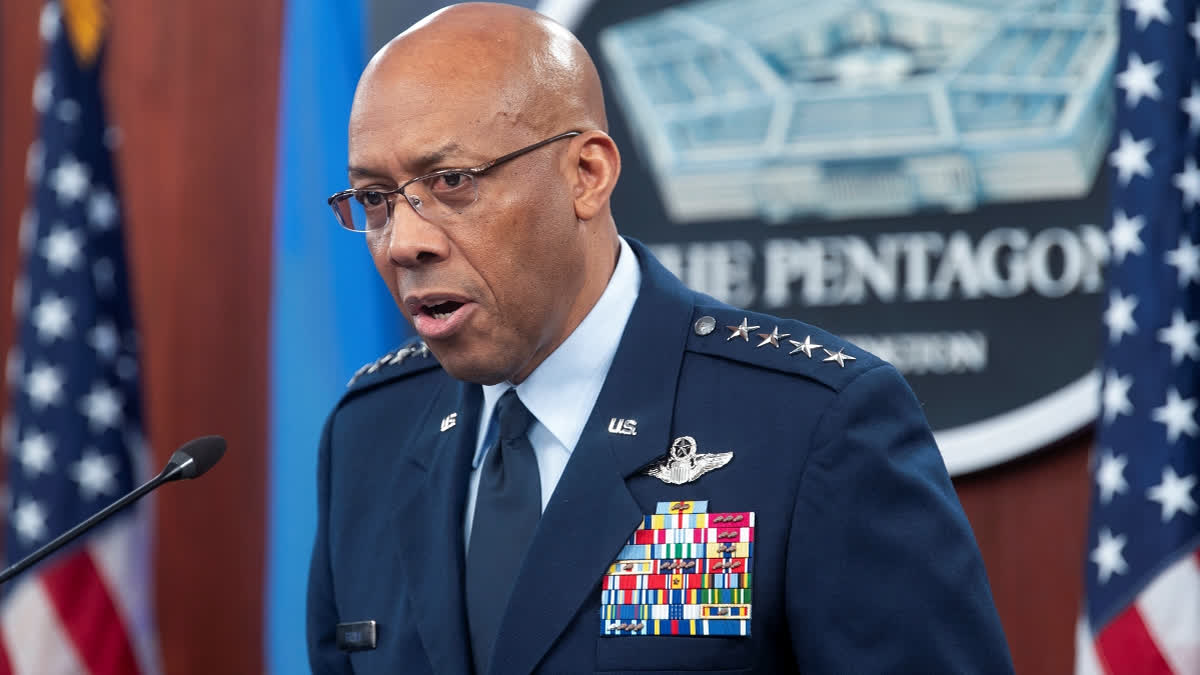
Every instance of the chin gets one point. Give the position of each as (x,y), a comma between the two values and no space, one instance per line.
(464,368)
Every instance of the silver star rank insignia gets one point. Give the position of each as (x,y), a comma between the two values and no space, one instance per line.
(838,358)
(684,465)
(742,331)
(772,338)
(807,346)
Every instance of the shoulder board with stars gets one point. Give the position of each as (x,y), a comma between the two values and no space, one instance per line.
(781,344)
(413,356)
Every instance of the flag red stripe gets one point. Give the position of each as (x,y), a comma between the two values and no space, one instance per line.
(1126,647)
(88,614)
(5,666)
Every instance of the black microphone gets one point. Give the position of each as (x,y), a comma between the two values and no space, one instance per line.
(191,460)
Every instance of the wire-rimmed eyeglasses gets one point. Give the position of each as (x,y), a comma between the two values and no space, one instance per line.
(433,196)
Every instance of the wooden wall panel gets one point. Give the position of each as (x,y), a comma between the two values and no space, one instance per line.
(1030,519)
(193,88)
(19,55)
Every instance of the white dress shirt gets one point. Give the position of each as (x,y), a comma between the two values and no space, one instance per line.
(562,390)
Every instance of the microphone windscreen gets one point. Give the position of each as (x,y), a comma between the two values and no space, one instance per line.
(204,453)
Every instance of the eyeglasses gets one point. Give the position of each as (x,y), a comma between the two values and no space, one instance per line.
(435,196)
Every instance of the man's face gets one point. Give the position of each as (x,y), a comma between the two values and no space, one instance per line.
(492,290)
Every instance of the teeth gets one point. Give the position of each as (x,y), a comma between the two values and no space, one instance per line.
(441,315)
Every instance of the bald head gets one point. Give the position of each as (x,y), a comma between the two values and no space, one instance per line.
(494,262)
(519,68)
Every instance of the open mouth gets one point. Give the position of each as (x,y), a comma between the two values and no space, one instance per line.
(441,310)
(438,316)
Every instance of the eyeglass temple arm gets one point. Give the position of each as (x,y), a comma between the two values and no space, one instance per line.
(517,153)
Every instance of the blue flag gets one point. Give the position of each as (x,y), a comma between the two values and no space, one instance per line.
(331,312)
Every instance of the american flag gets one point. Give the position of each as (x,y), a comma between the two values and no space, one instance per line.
(1142,604)
(72,432)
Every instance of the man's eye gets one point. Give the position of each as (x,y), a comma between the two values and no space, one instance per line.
(451,181)
(370,198)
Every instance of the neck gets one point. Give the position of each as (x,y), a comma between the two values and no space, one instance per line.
(600,264)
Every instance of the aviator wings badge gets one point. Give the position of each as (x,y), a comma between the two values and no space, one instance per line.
(684,465)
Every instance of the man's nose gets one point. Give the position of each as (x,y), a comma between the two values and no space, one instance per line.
(413,239)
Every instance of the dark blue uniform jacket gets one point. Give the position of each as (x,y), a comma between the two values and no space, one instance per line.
(863,559)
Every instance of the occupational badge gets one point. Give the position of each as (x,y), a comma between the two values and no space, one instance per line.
(683,571)
(683,464)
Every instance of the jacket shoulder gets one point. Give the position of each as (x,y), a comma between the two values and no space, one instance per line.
(785,345)
(410,358)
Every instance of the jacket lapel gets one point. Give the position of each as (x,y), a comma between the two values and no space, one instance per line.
(429,527)
(592,512)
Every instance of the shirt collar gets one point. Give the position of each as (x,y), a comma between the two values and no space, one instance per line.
(579,365)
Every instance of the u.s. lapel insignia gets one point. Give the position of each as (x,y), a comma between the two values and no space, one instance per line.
(684,465)
(622,427)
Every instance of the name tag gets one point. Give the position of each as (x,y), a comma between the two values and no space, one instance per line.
(356,636)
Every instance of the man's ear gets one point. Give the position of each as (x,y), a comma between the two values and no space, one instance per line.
(595,173)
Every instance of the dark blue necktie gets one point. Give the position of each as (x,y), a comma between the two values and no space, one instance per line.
(507,508)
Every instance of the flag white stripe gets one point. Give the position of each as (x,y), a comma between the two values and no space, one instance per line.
(1087,662)
(1170,608)
(34,638)
(121,553)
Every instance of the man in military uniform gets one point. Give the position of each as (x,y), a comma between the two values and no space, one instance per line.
(580,465)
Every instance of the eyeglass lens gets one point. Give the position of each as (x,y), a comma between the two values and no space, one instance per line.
(434,198)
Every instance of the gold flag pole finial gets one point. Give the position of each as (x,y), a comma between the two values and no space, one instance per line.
(86,22)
